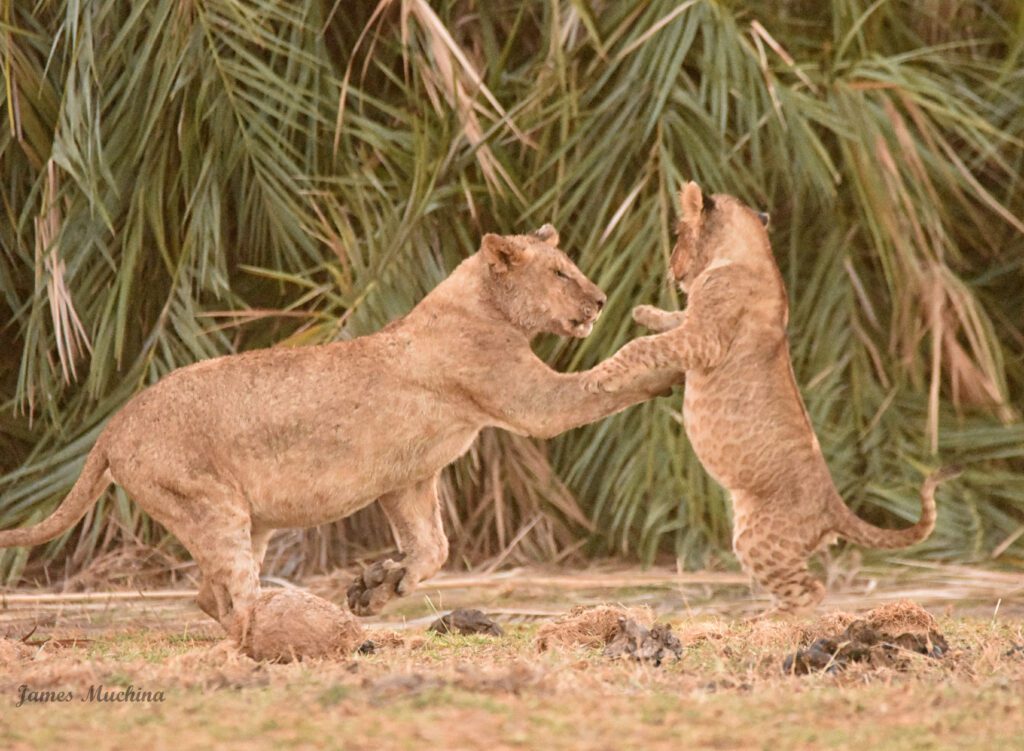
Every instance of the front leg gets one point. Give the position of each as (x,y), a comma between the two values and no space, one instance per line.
(543,403)
(699,343)
(659,352)
(656,319)
(415,516)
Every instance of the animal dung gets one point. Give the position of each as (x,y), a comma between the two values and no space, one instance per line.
(465,621)
(883,637)
(292,624)
(643,644)
(622,632)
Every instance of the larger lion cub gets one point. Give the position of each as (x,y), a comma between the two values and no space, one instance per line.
(225,451)
(743,413)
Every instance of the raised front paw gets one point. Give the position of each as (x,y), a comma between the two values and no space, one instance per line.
(371,590)
(648,316)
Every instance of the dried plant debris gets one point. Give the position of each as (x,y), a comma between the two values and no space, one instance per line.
(13,651)
(588,626)
(1017,650)
(621,632)
(643,644)
(882,638)
(465,621)
(381,639)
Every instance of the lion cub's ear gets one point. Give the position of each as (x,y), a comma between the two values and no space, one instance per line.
(547,234)
(501,253)
(693,204)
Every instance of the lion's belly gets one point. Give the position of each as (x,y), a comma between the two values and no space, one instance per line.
(718,435)
(747,428)
(301,488)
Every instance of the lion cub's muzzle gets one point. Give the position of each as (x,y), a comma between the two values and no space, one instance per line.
(589,313)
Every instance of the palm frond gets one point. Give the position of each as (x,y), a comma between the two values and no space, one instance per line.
(181,180)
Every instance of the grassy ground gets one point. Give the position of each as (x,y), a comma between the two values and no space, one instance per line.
(422,690)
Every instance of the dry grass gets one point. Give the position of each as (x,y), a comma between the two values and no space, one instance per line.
(420,689)
(587,627)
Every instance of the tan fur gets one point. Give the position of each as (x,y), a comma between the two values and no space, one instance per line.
(225,451)
(743,412)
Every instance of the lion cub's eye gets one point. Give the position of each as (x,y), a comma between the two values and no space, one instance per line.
(561,274)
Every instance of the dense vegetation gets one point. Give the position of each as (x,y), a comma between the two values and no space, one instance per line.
(185,178)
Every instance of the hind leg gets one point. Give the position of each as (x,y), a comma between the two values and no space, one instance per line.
(780,568)
(212,522)
(260,539)
(230,573)
(230,583)
(794,588)
(415,516)
(207,599)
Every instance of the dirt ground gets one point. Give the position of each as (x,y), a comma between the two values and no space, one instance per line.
(420,689)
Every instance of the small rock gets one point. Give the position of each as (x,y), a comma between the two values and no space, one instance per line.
(465,621)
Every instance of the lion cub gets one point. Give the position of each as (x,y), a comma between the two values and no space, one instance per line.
(742,410)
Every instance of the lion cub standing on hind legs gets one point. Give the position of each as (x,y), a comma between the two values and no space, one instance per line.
(742,410)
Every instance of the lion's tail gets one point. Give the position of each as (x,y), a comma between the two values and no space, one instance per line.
(857,530)
(83,495)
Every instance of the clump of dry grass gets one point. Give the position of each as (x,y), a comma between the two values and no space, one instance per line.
(221,665)
(890,620)
(588,626)
(44,668)
(386,639)
(901,617)
(13,652)
(827,623)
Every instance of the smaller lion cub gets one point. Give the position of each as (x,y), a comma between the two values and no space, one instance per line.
(742,410)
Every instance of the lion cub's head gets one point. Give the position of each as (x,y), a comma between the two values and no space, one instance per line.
(536,285)
(715,228)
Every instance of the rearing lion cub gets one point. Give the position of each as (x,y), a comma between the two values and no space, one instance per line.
(743,413)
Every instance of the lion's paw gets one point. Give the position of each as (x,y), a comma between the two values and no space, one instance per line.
(648,316)
(371,590)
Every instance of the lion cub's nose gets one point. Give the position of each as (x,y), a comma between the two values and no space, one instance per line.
(600,301)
